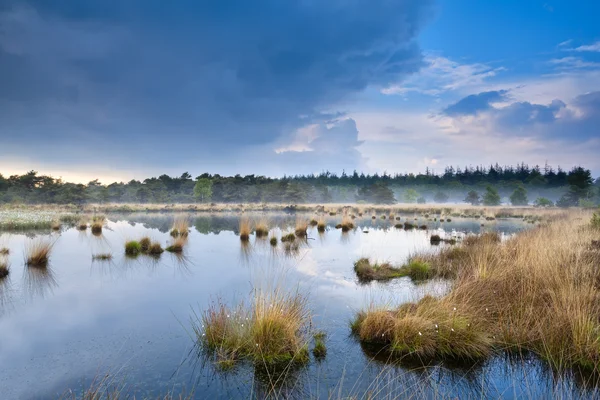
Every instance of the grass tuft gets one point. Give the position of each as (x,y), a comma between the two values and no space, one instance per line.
(176,245)
(97,227)
(145,243)
(155,249)
(102,256)
(271,330)
(366,272)
(37,252)
(245,229)
(133,248)
(4,269)
(262,228)
(301,227)
(273,241)
(180,226)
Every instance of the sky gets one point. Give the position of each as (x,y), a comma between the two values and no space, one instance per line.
(118,90)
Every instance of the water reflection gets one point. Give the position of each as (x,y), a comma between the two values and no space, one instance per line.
(39,281)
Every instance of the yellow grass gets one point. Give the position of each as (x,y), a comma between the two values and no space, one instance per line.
(535,291)
(37,252)
(262,228)
(245,228)
(180,226)
(270,330)
(301,227)
(177,244)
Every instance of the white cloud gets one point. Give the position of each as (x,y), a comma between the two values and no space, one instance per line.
(594,47)
(442,75)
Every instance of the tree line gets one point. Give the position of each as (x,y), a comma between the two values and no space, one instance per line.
(491,185)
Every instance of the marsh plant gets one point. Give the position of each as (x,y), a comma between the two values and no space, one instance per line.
(4,251)
(301,227)
(321,225)
(273,240)
(271,330)
(133,248)
(145,243)
(245,229)
(37,252)
(262,228)
(347,224)
(4,269)
(97,227)
(82,225)
(181,226)
(534,292)
(102,257)
(176,245)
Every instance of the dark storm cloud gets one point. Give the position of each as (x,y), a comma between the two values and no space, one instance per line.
(110,75)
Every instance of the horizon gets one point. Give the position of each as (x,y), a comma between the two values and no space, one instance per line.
(126,91)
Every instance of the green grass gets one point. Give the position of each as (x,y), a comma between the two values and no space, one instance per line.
(366,271)
(273,240)
(319,349)
(133,248)
(290,237)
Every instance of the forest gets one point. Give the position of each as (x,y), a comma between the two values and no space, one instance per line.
(493,185)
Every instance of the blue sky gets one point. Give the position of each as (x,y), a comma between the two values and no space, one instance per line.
(121,90)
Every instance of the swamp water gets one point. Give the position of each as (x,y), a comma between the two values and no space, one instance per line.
(78,320)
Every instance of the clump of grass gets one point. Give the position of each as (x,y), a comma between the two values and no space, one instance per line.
(347,224)
(155,249)
(271,330)
(97,227)
(374,217)
(417,270)
(301,227)
(245,229)
(4,251)
(428,329)
(314,222)
(289,237)
(4,270)
(180,226)
(273,240)
(145,243)
(319,349)
(321,225)
(366,271)
(176,245)
(37,252)
(435,239)
(338,226)
(423,227)
(102,256)
(408,225)
(82,224)
(133,248)
(262,228)
(55,226)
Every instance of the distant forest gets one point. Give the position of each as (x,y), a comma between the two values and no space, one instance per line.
(493,185)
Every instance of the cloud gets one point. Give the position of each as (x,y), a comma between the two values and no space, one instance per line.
(594,47)
(441,74)
(177,83)
(475,103)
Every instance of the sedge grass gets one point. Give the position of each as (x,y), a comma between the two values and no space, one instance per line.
(270,330)
(102,256)
(245,229)
(301,227)
(176,245)
(261,228)
(4,269)
(535,292)
(133,248)
(180,226)
(37,252)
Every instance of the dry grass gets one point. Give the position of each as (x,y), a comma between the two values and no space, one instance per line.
(245,228)
(181,226)
(82,225)
(367,271)
(301,227)
(37,252)
(321,225)
(155,249)
(177,245)
(56,225)
(262,228)
(271,330)
(536,291)
(145,243)
(347,223)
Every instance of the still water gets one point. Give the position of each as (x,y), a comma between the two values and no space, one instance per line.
(81,318)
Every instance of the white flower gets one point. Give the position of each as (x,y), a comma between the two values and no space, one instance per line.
(452,329)
(420,334)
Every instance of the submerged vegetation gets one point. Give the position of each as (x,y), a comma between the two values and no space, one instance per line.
(271,330)
(534,292)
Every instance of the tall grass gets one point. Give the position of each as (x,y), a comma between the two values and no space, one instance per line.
(37,252)
(177,245)
(262,228)
(534,292)
(245,228)
(301,227)
(180,226)
(270,330)
(347,223)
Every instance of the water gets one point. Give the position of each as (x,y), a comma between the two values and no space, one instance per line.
(131,317)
